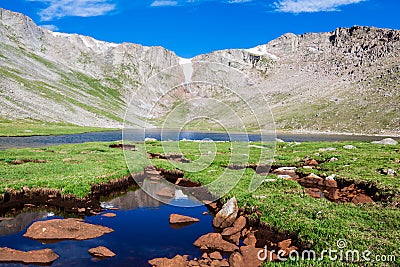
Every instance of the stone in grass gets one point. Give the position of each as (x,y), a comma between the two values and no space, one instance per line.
(349,147)
(101,252)
(386,141)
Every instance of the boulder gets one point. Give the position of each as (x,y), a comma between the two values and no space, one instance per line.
(101,252)
(43,256)
(311,162)
(177,261)
(60,229)
(177,218)
(214,241)
(215,255)
(386,141)
(227,215)
(166,192)
(238,225)
(362,199)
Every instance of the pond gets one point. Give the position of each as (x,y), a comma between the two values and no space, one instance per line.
(141,231)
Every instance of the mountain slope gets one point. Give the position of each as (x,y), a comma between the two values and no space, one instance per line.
(347,80)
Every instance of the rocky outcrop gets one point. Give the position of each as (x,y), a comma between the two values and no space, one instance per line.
(62,229)
(43,256)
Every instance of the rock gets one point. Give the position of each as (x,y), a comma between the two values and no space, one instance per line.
(236,260)
(205,213)
(43,256)
(333,159)
(284,176)
(286,169)
(177,261)
(389,172)
(279,140)
(285,244)
(330,183)
(166,192)
(227,215)
(250,240)
(109,215)
(326,149)
(238,225)
(331,177)
(362,199)
(59,229)
(311,162)
(386,141)
(214,241)
(313,192)
(250,256)
(215,255)
(101,252)
(349,147)
(235,238)
(177,218)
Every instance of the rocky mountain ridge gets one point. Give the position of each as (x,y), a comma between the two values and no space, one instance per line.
(347,80)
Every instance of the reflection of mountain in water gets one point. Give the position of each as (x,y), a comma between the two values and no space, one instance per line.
(143,197)
(20,222)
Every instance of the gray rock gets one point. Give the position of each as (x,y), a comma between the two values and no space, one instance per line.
(323,149)
(333,159)
(349,147)
(386,141)
(227,215)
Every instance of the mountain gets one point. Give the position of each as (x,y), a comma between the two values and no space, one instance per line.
(347,80)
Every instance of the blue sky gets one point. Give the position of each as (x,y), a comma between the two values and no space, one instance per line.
(192,27)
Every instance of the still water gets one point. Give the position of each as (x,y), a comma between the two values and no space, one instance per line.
(141,231)
(139,135)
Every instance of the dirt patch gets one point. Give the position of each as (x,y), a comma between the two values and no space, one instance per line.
(261,169)
(22,161)
(123,146)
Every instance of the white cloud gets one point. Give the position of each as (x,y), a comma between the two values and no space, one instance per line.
(77,8)
(164,3)
(239,1)
(299,6)
(50,27)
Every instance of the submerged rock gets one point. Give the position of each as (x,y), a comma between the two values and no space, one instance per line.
(227,215)
(43,256)
(59,229)
(101,252)
(177,218)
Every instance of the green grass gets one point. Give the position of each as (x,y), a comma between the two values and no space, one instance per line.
(69,168)
(30,128)
(284,204)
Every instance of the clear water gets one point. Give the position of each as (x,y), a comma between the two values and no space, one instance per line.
(141,232)
(138,135)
